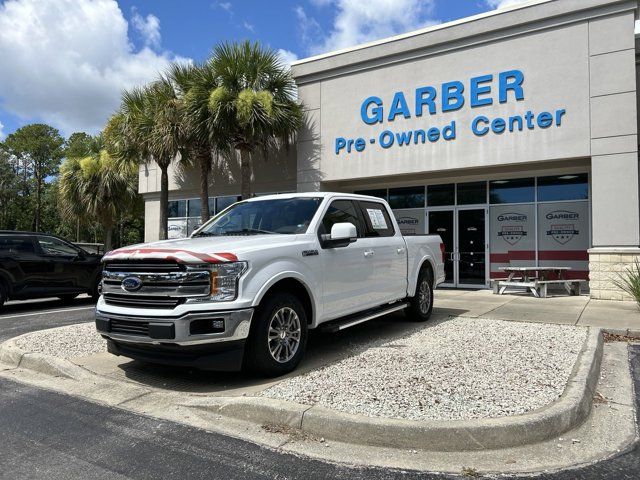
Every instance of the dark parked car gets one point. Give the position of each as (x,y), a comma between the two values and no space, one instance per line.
(37,265)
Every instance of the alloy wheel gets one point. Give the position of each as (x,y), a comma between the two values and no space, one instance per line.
(424,297)
(284,334)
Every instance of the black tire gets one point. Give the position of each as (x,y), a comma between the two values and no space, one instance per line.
(421,304)
(276,312)
(96,290)
(3,294)
(68,298)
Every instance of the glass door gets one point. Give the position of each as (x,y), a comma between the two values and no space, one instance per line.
(441,222)
(463,232)
(471,251)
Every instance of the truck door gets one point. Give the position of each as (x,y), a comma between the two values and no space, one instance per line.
(389,252)
(60,265)
(348,271)
(21,264)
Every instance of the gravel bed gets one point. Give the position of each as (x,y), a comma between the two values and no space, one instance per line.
(64,342)
(455,369)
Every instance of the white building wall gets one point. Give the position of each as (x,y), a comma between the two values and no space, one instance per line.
(577,55)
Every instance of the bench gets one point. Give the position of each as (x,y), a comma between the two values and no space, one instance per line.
(537,287)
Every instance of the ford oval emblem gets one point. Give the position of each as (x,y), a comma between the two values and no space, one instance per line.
(131,284)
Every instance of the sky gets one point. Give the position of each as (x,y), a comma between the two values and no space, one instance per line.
(66,62)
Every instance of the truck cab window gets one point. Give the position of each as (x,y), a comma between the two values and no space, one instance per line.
(341,211)
(377,220)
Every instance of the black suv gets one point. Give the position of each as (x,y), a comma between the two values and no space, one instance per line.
(37,265)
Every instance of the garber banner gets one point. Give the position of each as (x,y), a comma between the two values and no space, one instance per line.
(480,91)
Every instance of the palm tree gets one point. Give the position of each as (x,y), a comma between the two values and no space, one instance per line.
(149,127)
(252,103)
(98,186)
(193,84)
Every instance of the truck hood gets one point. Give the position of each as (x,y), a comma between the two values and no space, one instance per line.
(200,249)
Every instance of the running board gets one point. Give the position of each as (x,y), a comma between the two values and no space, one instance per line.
(351,320)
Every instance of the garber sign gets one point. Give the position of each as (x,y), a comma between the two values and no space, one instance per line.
(481,91)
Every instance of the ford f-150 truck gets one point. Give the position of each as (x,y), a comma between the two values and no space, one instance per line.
(247,286)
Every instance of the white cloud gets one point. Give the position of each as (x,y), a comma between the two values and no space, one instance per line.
(148,27)
(2,135)
(66,62)
(249,26)
(504,3)
(225,6)
(359,22)
(287,56)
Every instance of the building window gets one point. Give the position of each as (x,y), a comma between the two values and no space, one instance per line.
(441,195)
(224,202)
(380,193)
(408,197)
(563,236)
(519,190)
(194,209)
(177,208)
(563,187)
(472,193)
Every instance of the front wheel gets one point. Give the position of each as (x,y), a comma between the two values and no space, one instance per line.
(278,336)
(421,304)
(97,289)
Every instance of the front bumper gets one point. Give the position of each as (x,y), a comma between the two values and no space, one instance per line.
(219,357)
(174,330)
(175,341)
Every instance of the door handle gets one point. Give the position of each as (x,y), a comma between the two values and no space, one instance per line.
(400,251)
(368,253)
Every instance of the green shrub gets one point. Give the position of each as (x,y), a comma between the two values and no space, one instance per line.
(629,281)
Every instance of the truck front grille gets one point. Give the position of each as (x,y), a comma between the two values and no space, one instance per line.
(166,285)
(140,301)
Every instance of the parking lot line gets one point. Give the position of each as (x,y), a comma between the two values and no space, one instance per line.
(46,312)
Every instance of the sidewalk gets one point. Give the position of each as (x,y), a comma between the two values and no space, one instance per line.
(619,317)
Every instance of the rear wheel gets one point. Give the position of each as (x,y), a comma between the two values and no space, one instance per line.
(421,304)
(278,336)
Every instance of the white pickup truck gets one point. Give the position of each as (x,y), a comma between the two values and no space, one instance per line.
(247,286)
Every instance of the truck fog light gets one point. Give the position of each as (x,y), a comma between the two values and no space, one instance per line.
(217,324)
(206,325)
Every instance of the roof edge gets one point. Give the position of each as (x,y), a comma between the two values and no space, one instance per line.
(413,33)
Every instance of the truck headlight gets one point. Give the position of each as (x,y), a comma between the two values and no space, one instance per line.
(224,280)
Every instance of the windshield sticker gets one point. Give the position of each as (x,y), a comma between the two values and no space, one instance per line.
(378,221)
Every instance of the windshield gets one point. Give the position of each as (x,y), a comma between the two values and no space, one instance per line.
(285,216)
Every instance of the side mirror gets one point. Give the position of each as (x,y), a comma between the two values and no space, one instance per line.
(342,234)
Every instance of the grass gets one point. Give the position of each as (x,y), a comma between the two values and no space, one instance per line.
(629,281)
(470,472)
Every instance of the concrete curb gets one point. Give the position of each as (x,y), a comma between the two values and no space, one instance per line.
(13,356)
(571,409)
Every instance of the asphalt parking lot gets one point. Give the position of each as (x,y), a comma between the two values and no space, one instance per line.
(63,451)
(20,317)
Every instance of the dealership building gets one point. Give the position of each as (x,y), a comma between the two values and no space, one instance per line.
(512,134)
